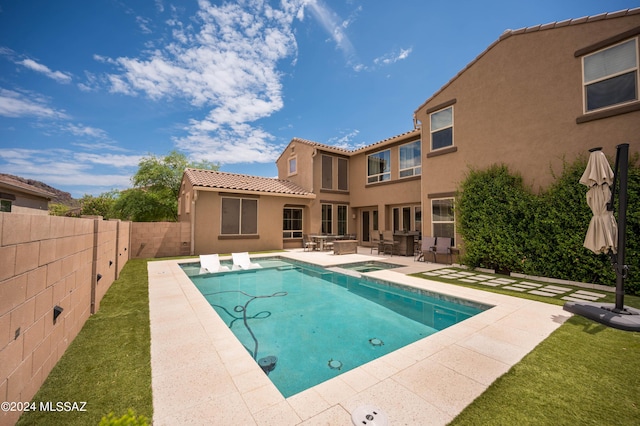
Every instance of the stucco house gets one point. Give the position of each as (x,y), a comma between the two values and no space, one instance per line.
(534,98)
(20,197)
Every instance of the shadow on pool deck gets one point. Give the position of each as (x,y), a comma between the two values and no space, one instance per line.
(201,374)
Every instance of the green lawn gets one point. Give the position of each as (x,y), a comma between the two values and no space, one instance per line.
(584,373)
(108,364)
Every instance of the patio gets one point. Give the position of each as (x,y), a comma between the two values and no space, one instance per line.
(202,374)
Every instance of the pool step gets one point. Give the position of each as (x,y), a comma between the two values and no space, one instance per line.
(345,271)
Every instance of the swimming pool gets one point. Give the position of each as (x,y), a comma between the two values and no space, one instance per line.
(304,324)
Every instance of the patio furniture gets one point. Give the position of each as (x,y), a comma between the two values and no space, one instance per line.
(376,241)
(307,243)
(210,263)
(242,261)
(329,242)
(428,244)
(345,247)
(443,246)
(388,243)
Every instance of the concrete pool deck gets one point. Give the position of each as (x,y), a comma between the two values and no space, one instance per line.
(201,374)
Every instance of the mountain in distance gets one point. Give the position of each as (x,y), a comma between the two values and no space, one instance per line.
(59,196)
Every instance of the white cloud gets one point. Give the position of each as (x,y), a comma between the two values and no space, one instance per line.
(61,167)
(334,26)
(58,76)
(345,140)
(85,131)
(224,62)
(393,57)
(16,104)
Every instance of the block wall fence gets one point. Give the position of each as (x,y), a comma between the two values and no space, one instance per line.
(47,263)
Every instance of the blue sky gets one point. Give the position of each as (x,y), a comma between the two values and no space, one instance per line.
(87,88)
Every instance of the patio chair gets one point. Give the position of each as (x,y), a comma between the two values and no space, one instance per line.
(443,246)
(376,241)
(307,243)
(242,261)
(211,263)
(328,244)
(388,243)
(427,246)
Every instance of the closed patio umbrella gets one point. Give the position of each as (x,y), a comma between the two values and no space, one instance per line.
(602,234)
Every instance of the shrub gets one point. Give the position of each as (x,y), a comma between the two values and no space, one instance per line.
(505,226)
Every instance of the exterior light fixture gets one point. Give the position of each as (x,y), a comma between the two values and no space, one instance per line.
(57,310)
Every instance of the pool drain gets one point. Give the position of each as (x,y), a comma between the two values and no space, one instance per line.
(268,363)
(369,415)
(334,364)
(376,342)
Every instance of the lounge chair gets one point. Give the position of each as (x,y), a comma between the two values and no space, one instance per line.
(242,261)
(428,245)
(211,263)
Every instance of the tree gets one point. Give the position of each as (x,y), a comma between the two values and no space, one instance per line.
(154,196)
(102,205)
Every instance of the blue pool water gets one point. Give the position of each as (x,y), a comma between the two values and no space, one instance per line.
(319,323)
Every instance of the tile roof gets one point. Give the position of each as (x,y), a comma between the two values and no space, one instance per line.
(549,26)
(245,183)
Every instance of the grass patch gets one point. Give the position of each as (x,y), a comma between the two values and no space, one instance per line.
(108,364)
(584,373)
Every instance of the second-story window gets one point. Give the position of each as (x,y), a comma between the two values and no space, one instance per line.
(610,76)
(442,128)
(327,172)
(410,161)
(379,166)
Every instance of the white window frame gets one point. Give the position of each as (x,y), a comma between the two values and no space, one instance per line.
(432,131)
(326,221)
(379,177)
(415,170)
(292,233)
(436,222)
(635,68)
(344,222)
(292,170)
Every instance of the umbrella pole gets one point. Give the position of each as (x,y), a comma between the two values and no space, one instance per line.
(622,167)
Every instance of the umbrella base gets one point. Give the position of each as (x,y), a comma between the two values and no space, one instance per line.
(605,313)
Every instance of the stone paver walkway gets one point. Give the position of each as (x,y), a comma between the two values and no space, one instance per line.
(516,284)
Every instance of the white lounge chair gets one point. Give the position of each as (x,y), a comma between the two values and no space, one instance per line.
(211,263)
(242,261)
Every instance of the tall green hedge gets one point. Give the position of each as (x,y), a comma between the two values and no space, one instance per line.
(507,226)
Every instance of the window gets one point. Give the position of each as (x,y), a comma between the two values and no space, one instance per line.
(442,128)
(327,172)
(379,166)
(327,214)
(610,76)
(375,220)
(396,218)
(5,206)
(343,173)
(410,160)
(417,218)
(239,216)
(406,218)
(443,218)
(342,219)
(293,165)
(292,223)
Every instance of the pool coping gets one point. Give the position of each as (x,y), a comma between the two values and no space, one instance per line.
(201,374)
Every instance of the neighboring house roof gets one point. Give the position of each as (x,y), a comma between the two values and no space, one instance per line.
(232,182)
(23,187)
(552,25)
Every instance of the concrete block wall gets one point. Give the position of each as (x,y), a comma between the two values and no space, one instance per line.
(160,239)
(48,261)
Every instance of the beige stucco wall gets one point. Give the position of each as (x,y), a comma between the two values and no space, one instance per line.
(518,105)
(47,261)
(160,239)
(304,154)
(207,238)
